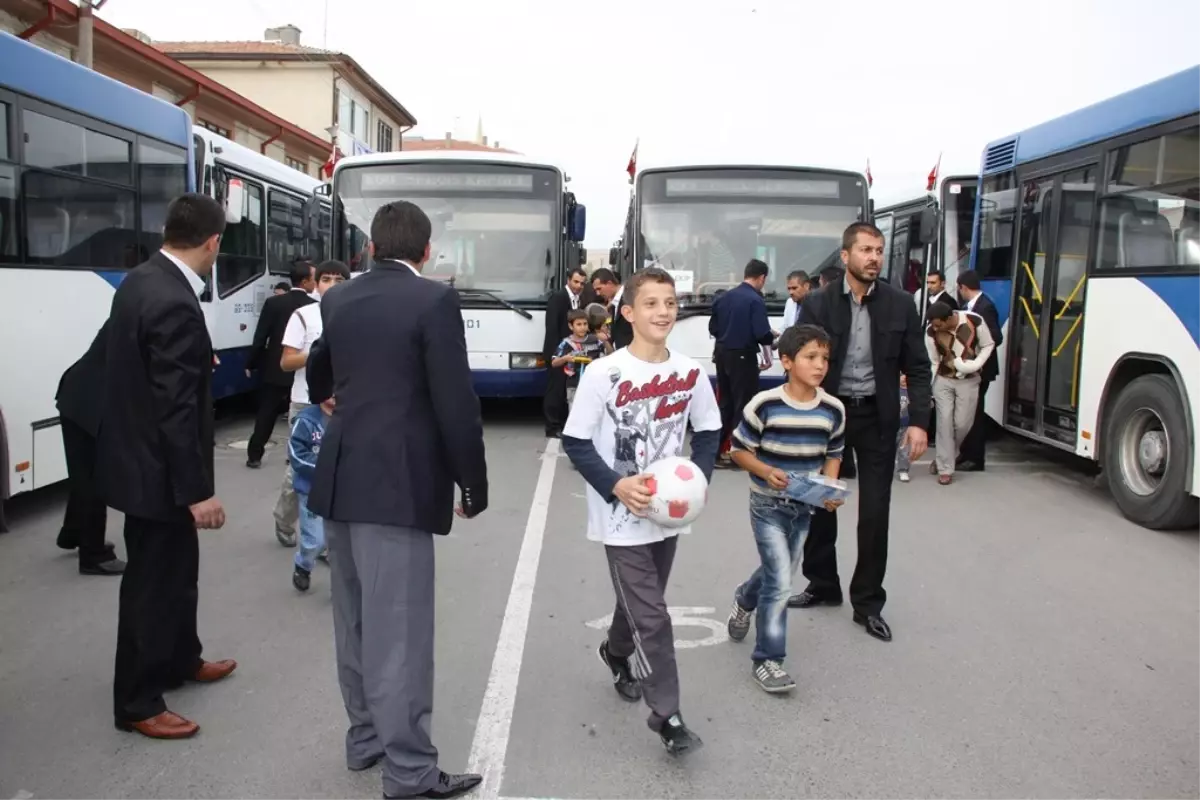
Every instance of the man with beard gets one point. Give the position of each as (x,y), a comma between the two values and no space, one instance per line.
(876,335)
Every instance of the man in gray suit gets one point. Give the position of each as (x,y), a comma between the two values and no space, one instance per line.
(406,430)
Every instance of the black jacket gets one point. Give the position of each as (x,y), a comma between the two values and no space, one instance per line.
(557,328)
(81,389)
(407,425)
(267,349)
(155,446)
(985,308)
(897,346)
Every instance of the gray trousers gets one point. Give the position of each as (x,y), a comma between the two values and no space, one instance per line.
(954,400)
(641,629)
(287,508)
(383,598)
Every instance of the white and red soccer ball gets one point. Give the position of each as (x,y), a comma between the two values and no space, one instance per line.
(678,492)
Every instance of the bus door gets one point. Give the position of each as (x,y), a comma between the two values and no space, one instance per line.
(1046,327)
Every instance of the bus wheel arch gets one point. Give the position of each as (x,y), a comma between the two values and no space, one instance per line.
(1145,420)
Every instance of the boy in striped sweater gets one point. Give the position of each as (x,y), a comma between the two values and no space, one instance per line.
(795,427)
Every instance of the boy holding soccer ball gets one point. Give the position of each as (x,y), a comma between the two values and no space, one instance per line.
(632,408)
(793,428)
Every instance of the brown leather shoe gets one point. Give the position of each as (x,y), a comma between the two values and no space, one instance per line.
(214,670)
(167,725)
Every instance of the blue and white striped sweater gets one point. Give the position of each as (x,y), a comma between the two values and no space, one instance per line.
(790,435)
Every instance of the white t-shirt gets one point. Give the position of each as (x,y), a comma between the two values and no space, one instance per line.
(636,413)
(303,329)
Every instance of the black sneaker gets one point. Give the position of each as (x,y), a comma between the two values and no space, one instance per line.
(623,681)
(301,579)
(772,678)
(677,737)
(738,624)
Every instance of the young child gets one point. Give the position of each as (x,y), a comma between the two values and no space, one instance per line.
(303,448)
(795,427)
(633,408)
(581,343)
(903,462)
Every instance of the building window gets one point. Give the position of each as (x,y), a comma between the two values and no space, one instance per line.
(353,117)
(217,129)
(296,164)
(384,137)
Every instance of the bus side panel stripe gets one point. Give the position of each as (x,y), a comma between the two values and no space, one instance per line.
(1182,296)
(1001,294)
(112,277)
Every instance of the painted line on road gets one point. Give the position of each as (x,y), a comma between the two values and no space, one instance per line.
(495,715)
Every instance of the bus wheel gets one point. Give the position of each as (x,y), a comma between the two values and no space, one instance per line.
(1147,454)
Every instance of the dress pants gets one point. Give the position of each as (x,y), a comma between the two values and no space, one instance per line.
(86,517)
(737,383)
(157,645)
(271,400)
(974,447)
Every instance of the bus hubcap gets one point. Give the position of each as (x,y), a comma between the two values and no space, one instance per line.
(1145,450)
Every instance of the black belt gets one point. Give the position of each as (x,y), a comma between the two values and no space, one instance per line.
(860,400)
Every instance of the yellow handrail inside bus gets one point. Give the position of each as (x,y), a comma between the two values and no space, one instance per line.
(1067,338)
(1032,280)
(1032,321)
(1071,296)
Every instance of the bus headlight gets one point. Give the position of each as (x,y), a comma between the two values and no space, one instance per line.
(525,361)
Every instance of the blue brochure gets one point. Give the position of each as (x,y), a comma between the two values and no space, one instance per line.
(814,488)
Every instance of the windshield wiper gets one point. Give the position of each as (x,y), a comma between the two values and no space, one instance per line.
(489,294)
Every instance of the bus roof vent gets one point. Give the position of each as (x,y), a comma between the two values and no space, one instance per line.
(1001,155)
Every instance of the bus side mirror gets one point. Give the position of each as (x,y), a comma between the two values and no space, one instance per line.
(929,224)
(310,212)
(582,256)
(235,201)
(576,222)
(871,210)
(614,256)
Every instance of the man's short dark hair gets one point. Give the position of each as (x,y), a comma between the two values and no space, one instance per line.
(282,286)
(936,273)
(939,311)
(332,267)
(850,235)
(831,274)
(755,269)
(604,275)
(799,275)
(192,219)
(969,280)
(576,313)
(400,232)
(300,272)
(573,271)
(793,339)
(640,279)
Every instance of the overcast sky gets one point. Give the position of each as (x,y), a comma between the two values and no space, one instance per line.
(765,81)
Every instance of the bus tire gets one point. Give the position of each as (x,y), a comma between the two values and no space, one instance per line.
(1147,455)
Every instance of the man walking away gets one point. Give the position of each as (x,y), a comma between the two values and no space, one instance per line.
(275,384)
(80,401)
(406,429)
(959,344)
(155,456)
(876,336)
(972,455)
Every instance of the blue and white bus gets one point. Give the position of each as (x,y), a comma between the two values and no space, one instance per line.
(1087,237)
(505,232)
(703,222)
(88,166)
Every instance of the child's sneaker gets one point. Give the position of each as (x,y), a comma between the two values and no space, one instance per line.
(771,677)
(301,579)
(677,737)
(739,622)
(623,681)
(903,476)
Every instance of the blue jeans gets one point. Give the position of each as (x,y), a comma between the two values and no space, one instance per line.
(780,527)
(312,535)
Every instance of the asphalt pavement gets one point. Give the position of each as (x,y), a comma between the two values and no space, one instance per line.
(1044,647)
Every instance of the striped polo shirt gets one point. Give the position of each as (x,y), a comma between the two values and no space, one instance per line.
(790,435)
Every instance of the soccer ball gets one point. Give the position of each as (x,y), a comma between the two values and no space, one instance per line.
(679,492)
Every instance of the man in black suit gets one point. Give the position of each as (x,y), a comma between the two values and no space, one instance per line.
(876,335)
(936,292)
(155,462)
(607,292)
(275,385)
(80,391)
(406,430)
(972,454)
(561,301)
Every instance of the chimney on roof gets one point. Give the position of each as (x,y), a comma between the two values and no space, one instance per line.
(485,141)
(135,33)
(447,137)
(497,144)
(287,34)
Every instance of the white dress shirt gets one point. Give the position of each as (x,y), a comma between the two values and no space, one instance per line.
(194,280)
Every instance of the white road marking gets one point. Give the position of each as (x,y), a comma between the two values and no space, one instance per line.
(495,716)
(683,617)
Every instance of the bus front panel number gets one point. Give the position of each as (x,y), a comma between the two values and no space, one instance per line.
(473,324)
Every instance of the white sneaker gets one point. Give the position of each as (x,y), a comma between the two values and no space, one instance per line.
(903,476)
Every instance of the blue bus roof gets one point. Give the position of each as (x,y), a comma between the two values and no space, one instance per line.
(31,70)
(1168,98)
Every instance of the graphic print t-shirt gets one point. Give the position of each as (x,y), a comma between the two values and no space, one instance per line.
(636,413)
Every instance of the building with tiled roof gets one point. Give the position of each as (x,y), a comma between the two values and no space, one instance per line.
(450,143)
(322,91)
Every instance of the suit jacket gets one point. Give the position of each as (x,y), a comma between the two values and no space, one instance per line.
(407,425)
(945,297)
(557,329)
(80,392)
(985,308)
(155,447)
(621,330)
(897,346)
(268,336)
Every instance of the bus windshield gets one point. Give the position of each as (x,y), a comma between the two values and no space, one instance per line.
(704,227)
(493,226)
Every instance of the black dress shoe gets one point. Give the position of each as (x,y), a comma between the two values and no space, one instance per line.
(968,466)
(807,599)
(874,625)
(114,566)
(447,786)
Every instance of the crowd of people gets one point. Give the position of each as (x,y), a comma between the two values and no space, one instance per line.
(384,424)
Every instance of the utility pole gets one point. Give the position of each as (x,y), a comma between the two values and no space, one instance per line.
(86,31)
